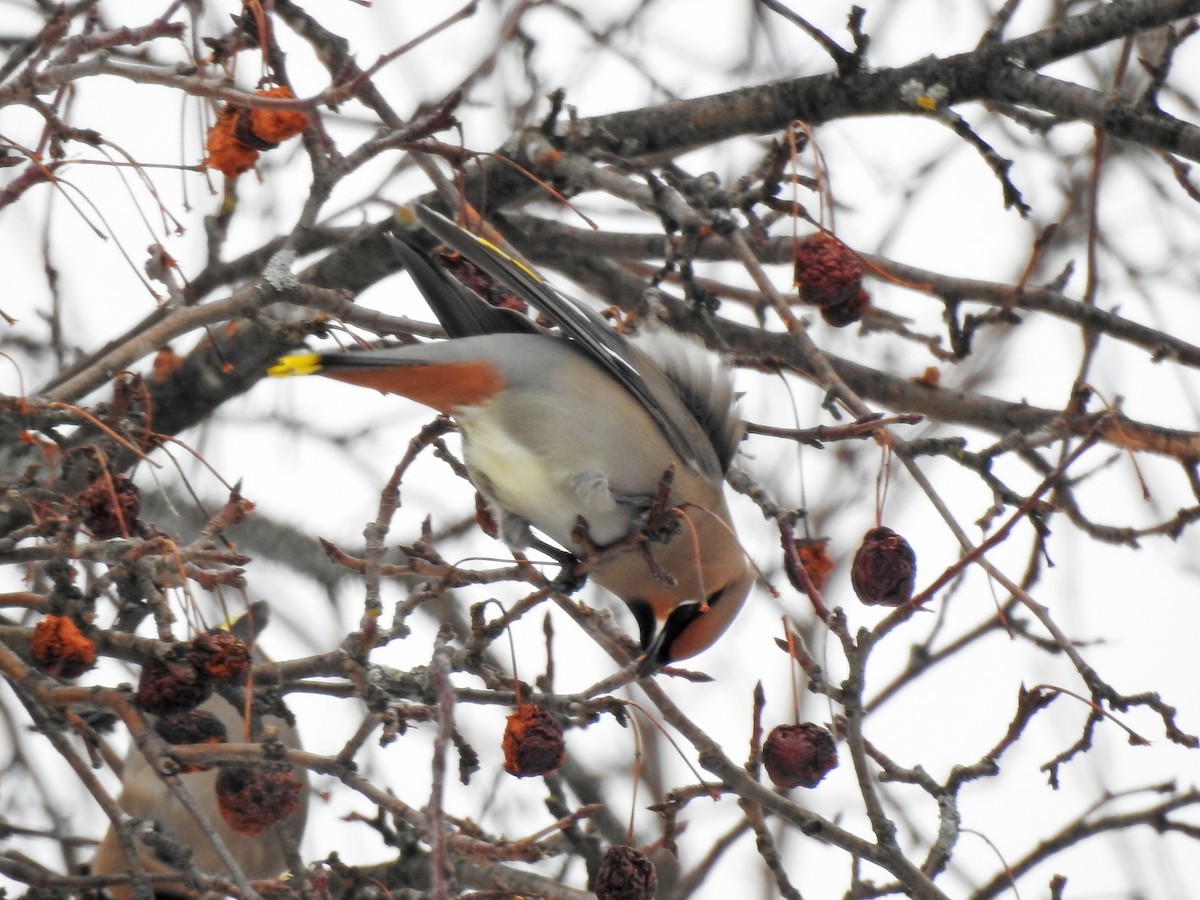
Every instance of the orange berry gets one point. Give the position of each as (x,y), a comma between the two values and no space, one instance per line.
(59,648)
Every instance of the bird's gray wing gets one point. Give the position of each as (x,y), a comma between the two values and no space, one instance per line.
(462,312)
(629,365)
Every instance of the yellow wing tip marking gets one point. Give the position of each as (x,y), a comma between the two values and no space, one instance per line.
(296,364)
(492,248)
(407,215)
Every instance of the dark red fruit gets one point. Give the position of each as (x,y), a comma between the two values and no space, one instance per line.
(192,726)
(252,799)
(219,655)
(533,742)
(884,569)
(109,508)
(846,312)
(625,874)
(799,755)
(162,689)
(826,270)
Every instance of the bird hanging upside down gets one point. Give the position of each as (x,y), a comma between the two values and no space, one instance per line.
(583,424)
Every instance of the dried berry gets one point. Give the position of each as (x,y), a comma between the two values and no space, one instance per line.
(162,689)
(625,873)
(193,726)
(826,270)
(59,648)
(274,126)
(848,311)
(219,655)
(223,151)
(240,134)
(884,569)
(109,508)
(533,742)
(799,755)
(814,557)
(252,799)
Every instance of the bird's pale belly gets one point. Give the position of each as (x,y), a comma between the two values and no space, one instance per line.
(523,484)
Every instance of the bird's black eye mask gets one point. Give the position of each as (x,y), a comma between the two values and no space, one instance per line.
(657,647)
(643,614)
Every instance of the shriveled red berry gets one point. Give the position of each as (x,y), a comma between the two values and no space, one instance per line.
(59,648)
(239,134)
(110,508)
(253,798)
(219,655)
(826,270)
(884,569)
(799,755)
(162,689)
(192,726)
(814,557)
(533,742)
(272,127)
(848,311)
(223,150)
(625,873)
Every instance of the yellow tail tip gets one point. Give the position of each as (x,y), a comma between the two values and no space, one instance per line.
(296,364)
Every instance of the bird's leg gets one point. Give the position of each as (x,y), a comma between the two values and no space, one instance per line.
(655,517)
(568,580)
(575,568)
(635,542)
(660,520)
(557,554)
(655,520)
(659,523)
(517,535)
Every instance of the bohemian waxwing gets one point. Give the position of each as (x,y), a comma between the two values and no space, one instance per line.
(580,423)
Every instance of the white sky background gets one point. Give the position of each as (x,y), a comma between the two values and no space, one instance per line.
(1141,605)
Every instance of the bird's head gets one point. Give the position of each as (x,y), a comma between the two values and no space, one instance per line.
(693,625)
